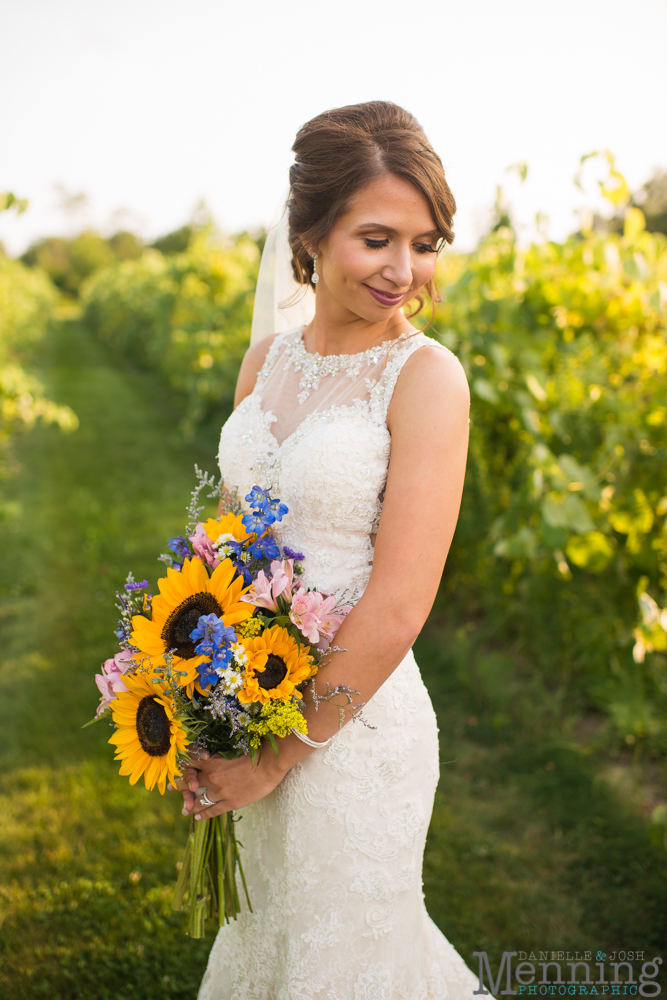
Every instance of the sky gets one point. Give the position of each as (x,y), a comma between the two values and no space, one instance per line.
(149,107)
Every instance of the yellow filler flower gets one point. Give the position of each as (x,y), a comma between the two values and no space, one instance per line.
(276,664)
(184,597)
(148,735)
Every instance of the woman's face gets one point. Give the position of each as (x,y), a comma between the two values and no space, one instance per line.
(380,252)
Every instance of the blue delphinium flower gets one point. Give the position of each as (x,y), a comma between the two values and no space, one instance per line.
(255,523)
(257,497)
(207,674)
(275,509)
(266,510)
(236,547)
(221,657)
(243,571)
(265,548)
(136,586)
(181,549)
(238,554)
(180,546)
(213,633)
(216,639)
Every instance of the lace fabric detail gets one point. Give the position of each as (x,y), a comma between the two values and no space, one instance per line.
(333,856)
(315,367)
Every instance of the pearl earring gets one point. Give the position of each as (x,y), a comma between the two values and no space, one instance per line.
(315,278)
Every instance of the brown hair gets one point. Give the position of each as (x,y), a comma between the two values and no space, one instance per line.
(338,152)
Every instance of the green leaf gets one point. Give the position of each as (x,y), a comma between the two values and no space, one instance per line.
(554,537)
(483,388)
(554,513)
(591,551)
(522,545)
(577,515)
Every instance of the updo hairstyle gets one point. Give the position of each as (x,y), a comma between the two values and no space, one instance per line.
(338,152)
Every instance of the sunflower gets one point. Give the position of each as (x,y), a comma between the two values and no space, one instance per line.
(229,526)
(184,597)
(276,664)
(148,734)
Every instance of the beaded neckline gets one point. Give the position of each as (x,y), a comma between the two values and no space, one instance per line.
(315,367)
(371,352)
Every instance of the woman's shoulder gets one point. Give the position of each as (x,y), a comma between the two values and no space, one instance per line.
(432,352)
(431,377)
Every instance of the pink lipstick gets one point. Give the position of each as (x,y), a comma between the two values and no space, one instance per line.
(385,298)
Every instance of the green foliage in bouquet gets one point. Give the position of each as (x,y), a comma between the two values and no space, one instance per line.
(186,316)
(563,518)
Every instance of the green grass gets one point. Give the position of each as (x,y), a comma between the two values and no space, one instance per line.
(88,861)
(530,845)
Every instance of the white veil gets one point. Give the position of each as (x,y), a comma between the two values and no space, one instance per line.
(280,302)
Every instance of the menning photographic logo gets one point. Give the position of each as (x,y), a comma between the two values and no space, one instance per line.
(613,975)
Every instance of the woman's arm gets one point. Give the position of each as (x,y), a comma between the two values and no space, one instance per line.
(428,420)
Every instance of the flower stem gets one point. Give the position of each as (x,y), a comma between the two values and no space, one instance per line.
(208,874)
(219,838)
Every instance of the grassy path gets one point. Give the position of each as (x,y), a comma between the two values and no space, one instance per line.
(90,861)
(528,848)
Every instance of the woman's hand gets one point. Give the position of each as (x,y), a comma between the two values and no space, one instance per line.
(230,784)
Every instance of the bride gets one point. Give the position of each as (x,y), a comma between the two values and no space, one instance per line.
(359,423)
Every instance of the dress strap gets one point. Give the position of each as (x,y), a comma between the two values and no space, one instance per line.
(272,355)
(381,392)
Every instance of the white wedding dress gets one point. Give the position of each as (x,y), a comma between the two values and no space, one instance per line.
(333,856)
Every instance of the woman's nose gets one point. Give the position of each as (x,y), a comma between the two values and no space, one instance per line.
(399,268)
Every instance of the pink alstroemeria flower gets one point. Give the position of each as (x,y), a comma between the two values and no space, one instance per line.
(110,682)
(312,614)
(203,547)
(283,569)
(264,593)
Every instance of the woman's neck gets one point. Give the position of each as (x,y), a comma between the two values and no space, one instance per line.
(328,334)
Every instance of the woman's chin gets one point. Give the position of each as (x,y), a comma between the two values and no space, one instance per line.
(373,311)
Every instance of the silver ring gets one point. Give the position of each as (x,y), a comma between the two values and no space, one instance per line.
(204,799)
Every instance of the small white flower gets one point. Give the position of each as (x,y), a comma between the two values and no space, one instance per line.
(230,682)
(222,539)
(222,546)
(243,719)
(240,654)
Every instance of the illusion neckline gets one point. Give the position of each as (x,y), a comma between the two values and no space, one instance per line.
(299,345)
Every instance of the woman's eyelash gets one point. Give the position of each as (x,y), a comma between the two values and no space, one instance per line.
(380,244)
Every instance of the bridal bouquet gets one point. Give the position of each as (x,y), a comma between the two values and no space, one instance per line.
(220,660)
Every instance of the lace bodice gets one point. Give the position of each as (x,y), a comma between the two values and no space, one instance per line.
(315,430)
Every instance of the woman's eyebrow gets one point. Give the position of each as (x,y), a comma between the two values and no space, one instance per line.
(389,229)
